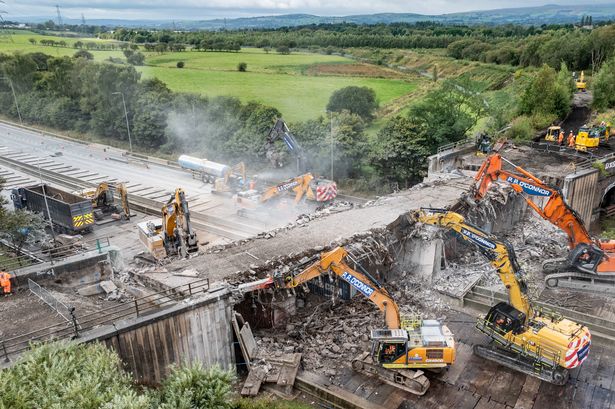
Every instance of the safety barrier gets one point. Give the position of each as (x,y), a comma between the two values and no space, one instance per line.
(10,348)
(58,306)
(30,258)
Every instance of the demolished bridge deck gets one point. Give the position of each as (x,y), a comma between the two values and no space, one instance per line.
(322,231)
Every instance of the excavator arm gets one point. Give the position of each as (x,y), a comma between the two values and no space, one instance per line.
(300,185)
(281,132)
(333,262)
(586,253)
(556,210)
(121,188)
(500,253)
(177,229)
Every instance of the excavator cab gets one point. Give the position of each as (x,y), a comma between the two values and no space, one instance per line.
(504,318)
(389,345)
(586,139)
(585,257)
(553,133)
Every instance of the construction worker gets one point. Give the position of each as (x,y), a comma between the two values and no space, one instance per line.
(560,138)
(5,283)
(252,184)
(571,140)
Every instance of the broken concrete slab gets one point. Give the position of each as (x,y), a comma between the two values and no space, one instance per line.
(89,290)
(190,272)
(108,286)
(323,231)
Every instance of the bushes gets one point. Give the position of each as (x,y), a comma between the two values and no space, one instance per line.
(283,49)
(90,376)
(357,100)
(604,86)
(521,129)
(67,376)
(547,94)
(192,386)
(180,64)
(242,67)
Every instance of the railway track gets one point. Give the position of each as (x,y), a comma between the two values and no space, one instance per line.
(29,164)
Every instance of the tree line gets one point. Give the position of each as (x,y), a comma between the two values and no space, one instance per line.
(78,94)
(396,35)
(580,49)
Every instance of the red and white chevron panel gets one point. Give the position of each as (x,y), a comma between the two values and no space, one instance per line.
(325,193)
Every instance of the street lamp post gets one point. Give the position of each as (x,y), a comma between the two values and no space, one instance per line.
(14,97)
(331,140)
(53,234)
(126,116)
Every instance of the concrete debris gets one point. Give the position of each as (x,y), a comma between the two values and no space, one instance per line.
(108,286)
(191,272)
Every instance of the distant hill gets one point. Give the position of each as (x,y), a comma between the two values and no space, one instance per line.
(549,14)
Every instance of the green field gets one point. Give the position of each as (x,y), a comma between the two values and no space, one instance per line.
(19,42)
(281,81)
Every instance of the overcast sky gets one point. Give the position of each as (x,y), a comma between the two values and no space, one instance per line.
(208,9)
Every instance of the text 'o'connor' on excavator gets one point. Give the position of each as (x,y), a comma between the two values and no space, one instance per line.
(400,351)
(305,188)
(590,264)
(534,341)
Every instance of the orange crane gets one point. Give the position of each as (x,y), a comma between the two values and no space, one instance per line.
(593,259)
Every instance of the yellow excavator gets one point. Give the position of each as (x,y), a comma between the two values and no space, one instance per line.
(580,82)
(534,341)
(591,137)
(103,198)
(398,352)
(553,133)
(301,185)
(234,180)
(174,235)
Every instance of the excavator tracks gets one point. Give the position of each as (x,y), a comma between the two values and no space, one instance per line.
(413,381)
(582,282)
(555,375)
(558,275)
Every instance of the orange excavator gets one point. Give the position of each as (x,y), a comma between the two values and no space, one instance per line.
(302,186)
(593,259)
(398,352)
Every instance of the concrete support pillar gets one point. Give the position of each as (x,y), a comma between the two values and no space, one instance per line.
(422,258)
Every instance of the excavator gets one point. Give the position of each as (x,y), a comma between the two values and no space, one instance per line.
(301,185)
(580,82)
(590,138)
(398,352)
(232,181)
(174,235)
(534,341)
(593,259)
(553,133)
(280,132)
(103,198)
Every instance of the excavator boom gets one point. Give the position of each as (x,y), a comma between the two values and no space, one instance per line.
(397,353)
(498,252)
(363,282)
(587,255)
(537,343)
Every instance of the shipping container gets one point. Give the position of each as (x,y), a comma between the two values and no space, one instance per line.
(68,211)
